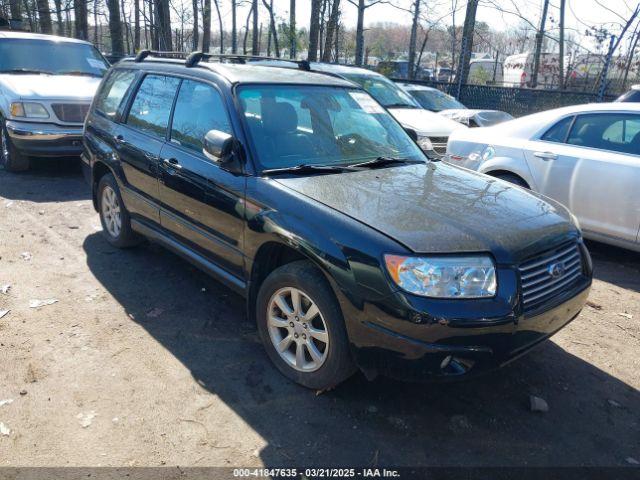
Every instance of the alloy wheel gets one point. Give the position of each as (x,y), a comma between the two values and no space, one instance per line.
(111,211)
(297,329)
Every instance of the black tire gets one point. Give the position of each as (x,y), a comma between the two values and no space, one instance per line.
(10,158)
(126,237)
(302,275)
(512,178)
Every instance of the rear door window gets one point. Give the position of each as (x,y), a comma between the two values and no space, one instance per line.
(558,133)
(151,108)
(114,90)
(616,132)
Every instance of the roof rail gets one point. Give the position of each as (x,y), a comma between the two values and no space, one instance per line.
(142,54)
(196,57)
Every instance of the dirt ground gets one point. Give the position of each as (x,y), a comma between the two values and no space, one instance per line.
(144,360)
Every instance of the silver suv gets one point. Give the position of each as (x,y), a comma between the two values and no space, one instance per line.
(46,87)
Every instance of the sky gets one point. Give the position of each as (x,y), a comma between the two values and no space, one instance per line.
(578,13)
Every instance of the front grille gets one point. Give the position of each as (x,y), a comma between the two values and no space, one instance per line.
(439,144)
(71,112)
(549,274)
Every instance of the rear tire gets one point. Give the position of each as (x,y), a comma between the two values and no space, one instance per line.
(10,158)
(115,220)
(512,178)
(306,339)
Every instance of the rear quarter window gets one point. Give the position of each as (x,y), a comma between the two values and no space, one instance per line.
(113,91)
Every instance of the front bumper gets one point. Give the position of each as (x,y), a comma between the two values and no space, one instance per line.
(45,139)
(441,347)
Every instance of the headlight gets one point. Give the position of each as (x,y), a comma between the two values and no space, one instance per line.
(444,277)
(424,143)
(28,110)
(488,153)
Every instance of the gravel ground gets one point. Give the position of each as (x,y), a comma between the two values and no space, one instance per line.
(143,360)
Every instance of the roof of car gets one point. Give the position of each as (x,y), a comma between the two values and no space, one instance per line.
(415,86)
(38,36)
(596,107)
(341,69)
(250,73)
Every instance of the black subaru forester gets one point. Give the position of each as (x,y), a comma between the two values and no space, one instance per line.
(353,250)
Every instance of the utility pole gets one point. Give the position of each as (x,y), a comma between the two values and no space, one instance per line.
(538,51)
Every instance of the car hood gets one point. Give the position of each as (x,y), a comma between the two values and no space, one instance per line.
(483,118)
(50,87)
(425,121)
(441,208)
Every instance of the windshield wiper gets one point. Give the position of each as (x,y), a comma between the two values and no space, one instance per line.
(79,72)
(308,168)
(25,70)
(400,105)
(382,161)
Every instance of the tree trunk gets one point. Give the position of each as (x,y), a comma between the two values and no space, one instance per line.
(115,27)
(467,43)
(196,33)
(634,45)
(332,26)
(314,29)
(126,30)
(163,25)
(59,21)
(81,23)
(136,25)
(538,50)
(246,31)
(206,25)
(273,34)
(15,8)
(413,39)
(220,26)
(255,40)
(44,14)
(561,79)
(293,41)
(360,33)
(234,28)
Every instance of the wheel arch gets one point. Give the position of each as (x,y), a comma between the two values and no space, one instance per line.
(508,165)
(98,170)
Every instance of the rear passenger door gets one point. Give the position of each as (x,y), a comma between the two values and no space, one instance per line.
(201,202)
(139,141)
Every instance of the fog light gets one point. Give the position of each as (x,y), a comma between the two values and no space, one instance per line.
(445,363)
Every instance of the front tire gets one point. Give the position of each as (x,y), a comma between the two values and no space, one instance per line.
(10,158)
(301,327)
(115,220)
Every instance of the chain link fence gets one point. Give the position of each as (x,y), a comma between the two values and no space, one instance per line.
(516,101)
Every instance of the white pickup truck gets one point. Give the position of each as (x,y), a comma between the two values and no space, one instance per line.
(47,84)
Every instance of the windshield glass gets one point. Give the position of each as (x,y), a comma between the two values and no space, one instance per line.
(384,91)
(314,125)
(50,57)
(435,100)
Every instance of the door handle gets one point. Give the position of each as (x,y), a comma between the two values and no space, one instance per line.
(172,163)
(545,155)
(118,138)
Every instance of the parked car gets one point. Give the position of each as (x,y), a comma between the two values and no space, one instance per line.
(434,100)
(432,130)
(400,69)
(586,157)
(46,86)
(445,74)
(485,71)
(518,69)
(632,95)
(302,193)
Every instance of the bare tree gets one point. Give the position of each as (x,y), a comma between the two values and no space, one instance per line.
(115,27)
(44,14)
(80,17)
(413,39)
(246,30)
(255,39)
(292,29)
(314,30)
(332,26)
(194,6)
(362,6)
(538,50)
(467,41)
(561,76)
(206,25)
(234,27)
(15,9)
(220,25)
(163,24)
(59,21)
(272,25)
(136,25)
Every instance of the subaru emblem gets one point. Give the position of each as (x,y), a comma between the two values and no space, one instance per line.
(556,270)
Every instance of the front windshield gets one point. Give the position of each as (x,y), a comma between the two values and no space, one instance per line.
(294,125)
(45,56)
(435,100)
(384,91)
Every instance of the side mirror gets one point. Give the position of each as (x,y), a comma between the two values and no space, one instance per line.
(412,133)
(219,146)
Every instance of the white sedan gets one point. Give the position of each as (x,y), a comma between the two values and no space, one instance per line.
(585,156)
